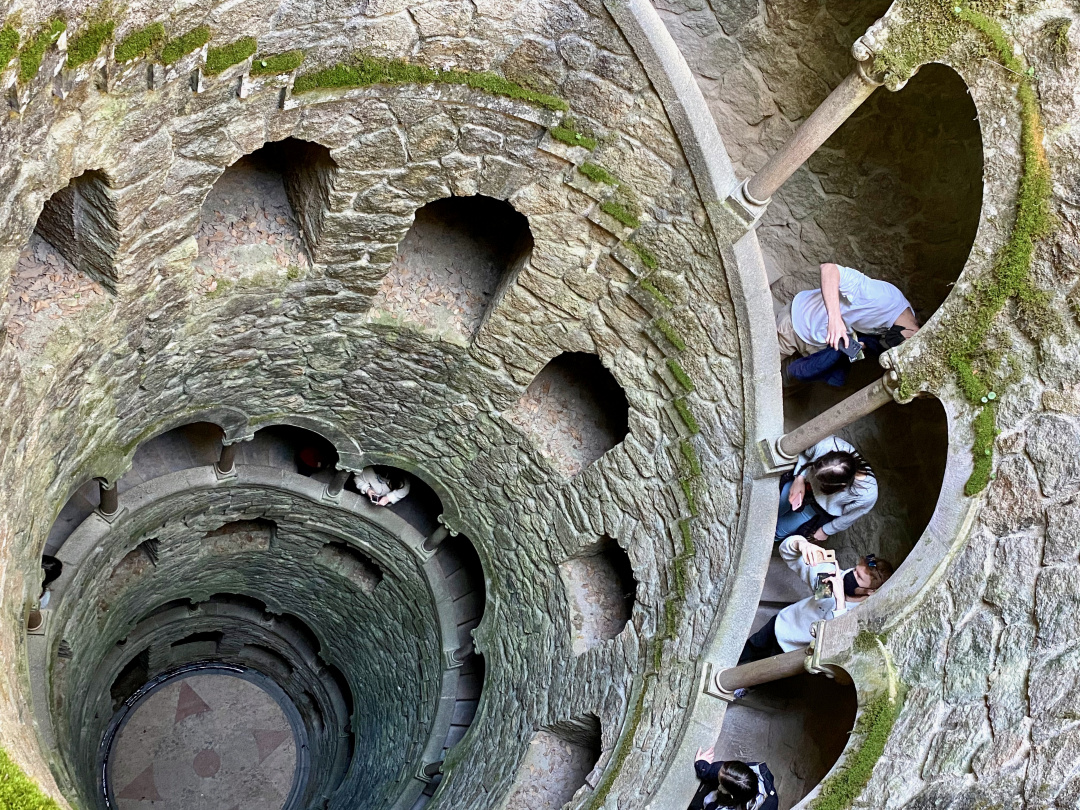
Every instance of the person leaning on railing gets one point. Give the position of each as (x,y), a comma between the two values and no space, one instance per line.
(732,784)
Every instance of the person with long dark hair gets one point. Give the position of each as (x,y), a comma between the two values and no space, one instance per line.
(830,488)
(383,485)
(732,784)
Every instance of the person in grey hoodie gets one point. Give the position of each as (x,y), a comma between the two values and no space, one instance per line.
(789,629)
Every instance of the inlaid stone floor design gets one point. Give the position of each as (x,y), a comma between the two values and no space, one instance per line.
(45,289)
(248,229)
(204,742)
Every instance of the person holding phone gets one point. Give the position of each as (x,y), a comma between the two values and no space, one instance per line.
(830,488)
(835,591)
(383,485)
(732,784)
(846,301)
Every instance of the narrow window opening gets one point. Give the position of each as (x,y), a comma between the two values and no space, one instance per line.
(601,588)
(453,264)
(574,411)
(351,563)
(262,219)
(239,536)
(134,674)
(266,660)
(212,636)
(557,764)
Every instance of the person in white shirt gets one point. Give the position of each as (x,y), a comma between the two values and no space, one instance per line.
(789,629)
(848,300)
(382,485)
(832,487)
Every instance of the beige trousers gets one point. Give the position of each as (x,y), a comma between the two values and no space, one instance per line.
(790,342)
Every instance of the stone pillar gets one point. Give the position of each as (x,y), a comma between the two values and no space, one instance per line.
(341,478)
(840,415)
(435,539)
(787,665)
(110,499)
(227,459)
(815,130)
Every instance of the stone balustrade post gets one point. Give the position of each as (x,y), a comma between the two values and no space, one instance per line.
(337,484)
(787,665)
(227,460)
(435,539)
(109,498)
(814,131)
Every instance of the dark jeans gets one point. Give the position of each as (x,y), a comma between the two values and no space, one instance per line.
(762,644)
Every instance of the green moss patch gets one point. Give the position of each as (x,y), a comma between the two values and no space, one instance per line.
(646,256)
(621,211)
(668,331)
(365,71)
(848,779)
(18,791)
(276,64)
(1058,35)
(691,457)
(687,417)
(140,43)
(33,50)
(86,45)
(9,44)
(652,290)
(217,59)
(567,133)
(175,49)
(679,373)
(598,174)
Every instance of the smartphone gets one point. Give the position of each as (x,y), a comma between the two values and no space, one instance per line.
(853,350)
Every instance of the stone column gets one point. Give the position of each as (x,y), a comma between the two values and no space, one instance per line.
(110,499)
(227,459)
(840,415)
(341,478)
(815,130)
(766,670)
(436,538)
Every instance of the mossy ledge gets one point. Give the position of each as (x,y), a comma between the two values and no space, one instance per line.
(680,375)
(962,341)
(568,133)
(139,43)
(277,63)
(365,71)
(647,257)
(9,44)
(598,174)
(652,290)
(86,45)
(224,56)
(176,49)
(847,780)
(669,332)
(33,50)
(18,791)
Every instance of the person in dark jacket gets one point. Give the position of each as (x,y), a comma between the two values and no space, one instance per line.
(732,784)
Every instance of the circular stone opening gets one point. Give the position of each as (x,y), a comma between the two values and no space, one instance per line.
(206,736)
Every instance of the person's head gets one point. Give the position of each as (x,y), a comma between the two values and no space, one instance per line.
(52,569)
(869,574)
(835,471)
(394,478)
(736,783)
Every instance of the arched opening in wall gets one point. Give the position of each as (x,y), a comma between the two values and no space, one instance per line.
(557,765)
(601,589)
(134,674)
(70,262)
(409,496)
(797,726)
(238,536)
(349,562)
(76,509)
(183,448)
(263,217)
(453,264)
(290,448)
(907,447)
(896,193)
(573,412)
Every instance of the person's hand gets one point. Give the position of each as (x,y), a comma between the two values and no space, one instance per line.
(384,500)
(820,536)
(797,492)
(812,555)
(838,331)
(706,753)
(837,581)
